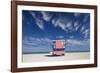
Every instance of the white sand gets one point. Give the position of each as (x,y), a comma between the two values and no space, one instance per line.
(47,57)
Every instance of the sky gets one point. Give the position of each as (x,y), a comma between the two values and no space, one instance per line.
(39,28)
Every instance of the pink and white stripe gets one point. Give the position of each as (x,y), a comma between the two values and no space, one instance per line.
(58,52)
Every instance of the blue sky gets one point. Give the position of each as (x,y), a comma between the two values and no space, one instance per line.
(39,28)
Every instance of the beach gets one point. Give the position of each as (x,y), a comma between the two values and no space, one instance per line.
(47,57)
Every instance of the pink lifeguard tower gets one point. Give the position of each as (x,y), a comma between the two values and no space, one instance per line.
(58,47)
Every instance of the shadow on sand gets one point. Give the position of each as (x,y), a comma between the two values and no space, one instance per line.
(53,55)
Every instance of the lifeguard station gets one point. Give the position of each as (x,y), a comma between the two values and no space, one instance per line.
(58,47)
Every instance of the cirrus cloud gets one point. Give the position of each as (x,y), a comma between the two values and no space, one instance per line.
(38,21)
(78,42)
(46,16)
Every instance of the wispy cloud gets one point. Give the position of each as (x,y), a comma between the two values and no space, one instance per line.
(38,21)
(71,37)
(77,14)
(46,16)
(82,28)
(32,44)
(31,41)
(62,22)
(58,22)
(86,17)
(69,25)
(36,41)
(76,25)
(40,24)
(86,33)
(77,42)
